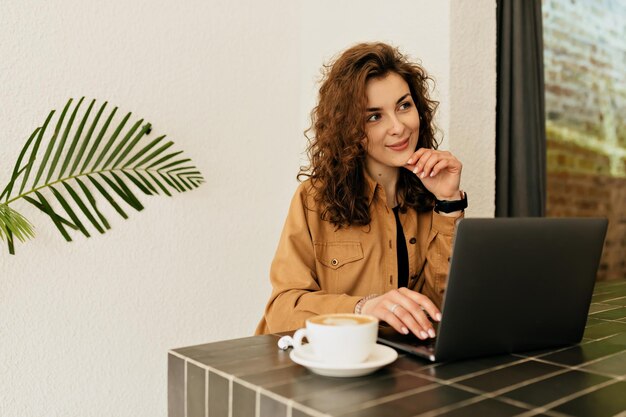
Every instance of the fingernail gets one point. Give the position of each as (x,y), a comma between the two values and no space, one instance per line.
(405,330)
(423,335)
(423,175)
(432,174)
(431,333)
(438,316)
(415,170)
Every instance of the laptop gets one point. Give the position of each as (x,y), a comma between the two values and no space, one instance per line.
(515,284)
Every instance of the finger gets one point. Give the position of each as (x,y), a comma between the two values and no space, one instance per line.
(410,313)
(416,155)
(429,164)
(420,317)
(419,162)
(419,326)
(424,302)
(439,166)
(391,319)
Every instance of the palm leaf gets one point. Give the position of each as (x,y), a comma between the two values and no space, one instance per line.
(86,170)
(13,224)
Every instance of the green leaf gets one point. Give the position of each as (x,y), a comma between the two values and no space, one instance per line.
(137,183)
(66,132)
(123,190)
(93,203)
(170,183)
(83,207)
(69,211)
(98,139)
(145,181)
(157,182)
(85,142)
(153,154)
(10,243)
(47,208)
(149,167)
(110,142)
(107,196)
(13,223)
(120,145)
(56,216)
(163,159)
(33,154)
(143,151)
(144,131)
(50,147)
(179,181)
(16,169)
(178,169)
(172,164)
(79,132)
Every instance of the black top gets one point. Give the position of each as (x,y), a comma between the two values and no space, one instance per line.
(403,254)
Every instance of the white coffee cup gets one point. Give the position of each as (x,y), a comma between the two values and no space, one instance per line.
(339,338)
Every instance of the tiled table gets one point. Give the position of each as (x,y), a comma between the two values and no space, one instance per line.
(250,377)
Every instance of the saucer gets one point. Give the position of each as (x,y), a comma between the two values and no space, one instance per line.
(381,355)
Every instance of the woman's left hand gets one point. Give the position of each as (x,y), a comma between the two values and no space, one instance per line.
(439,171)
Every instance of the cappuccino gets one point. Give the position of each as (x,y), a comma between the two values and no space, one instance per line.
(340,339)
(341,320)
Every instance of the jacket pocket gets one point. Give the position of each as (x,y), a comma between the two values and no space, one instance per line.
(337,254)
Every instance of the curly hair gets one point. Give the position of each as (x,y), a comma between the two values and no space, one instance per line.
(336,151)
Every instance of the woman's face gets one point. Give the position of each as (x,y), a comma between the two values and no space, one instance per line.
(392,123)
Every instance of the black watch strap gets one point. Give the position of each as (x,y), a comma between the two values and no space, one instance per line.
(447,206)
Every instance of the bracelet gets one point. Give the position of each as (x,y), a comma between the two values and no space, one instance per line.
(447,206)
(361,303)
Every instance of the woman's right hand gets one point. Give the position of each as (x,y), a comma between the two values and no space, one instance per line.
(404,310)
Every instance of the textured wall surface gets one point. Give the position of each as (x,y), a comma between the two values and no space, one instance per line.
(85,326)
(473,100)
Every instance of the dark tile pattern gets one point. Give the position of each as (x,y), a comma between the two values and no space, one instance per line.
(343,399)
(486,407)
(438,397)
(605,402)
(297,413)
(219,395)
(250,374)
(510,375)
(272,408)
(175,386)
(244,401)
(551,389)
(196,391)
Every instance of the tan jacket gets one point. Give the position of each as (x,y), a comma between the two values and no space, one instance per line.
(319,269)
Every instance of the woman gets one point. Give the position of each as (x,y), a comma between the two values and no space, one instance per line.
(370,230)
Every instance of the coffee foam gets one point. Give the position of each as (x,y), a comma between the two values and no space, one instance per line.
(340,320)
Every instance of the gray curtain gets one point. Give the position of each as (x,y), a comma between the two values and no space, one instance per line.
(520,116)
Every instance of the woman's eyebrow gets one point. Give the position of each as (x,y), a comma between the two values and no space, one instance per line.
(397,102)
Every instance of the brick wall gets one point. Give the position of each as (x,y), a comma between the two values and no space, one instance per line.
(585,77)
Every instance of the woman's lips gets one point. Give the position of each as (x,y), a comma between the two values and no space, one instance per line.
(399,146)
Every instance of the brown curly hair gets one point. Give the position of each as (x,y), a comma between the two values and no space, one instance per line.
(336,152)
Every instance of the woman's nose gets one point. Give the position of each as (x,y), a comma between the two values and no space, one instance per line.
(395,127)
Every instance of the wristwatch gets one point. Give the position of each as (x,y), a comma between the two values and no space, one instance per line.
(449,206)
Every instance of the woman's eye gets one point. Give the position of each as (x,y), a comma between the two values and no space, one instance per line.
(373,117)
(405,105)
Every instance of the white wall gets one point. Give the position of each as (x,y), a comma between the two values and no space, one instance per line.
(85,326)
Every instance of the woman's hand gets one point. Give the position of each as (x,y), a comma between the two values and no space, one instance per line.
(403,310)
(439,171)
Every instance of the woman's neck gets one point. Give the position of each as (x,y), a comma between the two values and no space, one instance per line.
(387,177)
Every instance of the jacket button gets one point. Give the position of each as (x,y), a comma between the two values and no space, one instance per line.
(412,241)
(334,262)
